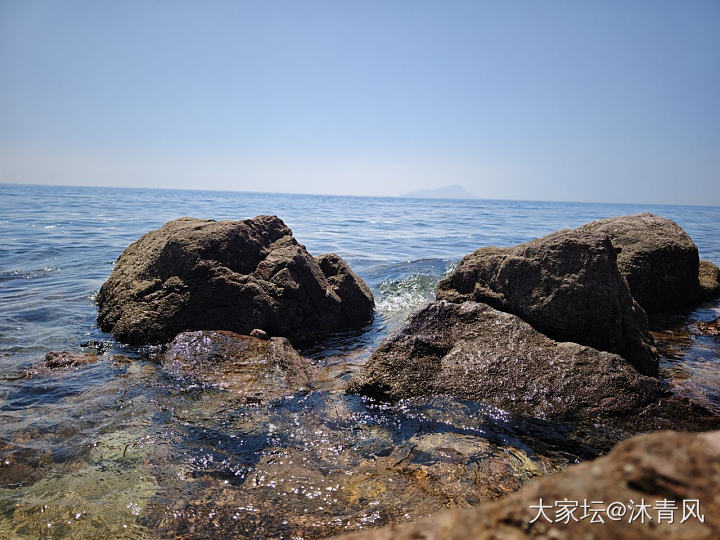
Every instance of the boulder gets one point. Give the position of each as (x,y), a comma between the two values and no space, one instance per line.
(657,258)
(681,469)
(709,280)
(249,368)
(194,274)
(472,351)
(566,285)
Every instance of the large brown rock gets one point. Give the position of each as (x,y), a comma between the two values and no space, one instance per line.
(472,351)
(194,274)
(669,466)
(249,368)
(709,278)
(566,285)
(657,258)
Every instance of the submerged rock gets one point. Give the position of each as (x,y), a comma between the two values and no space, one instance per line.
(657,258)
(709,279)
(59,360)
(62,359)
(472,351)
(677,468)
(327,469)
(194,274)
(566,285)
(706,328)
(21,465)
(250,368)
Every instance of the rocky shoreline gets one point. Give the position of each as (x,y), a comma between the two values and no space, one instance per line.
(553,329)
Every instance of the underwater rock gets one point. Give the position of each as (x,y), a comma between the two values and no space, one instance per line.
(55,361)
(473,351)
(320,481)
(566,285)
(194,274)
(706,328)
(21,465)
(250,368)
(709,279)
(678,468)
(656,257)
(61,360)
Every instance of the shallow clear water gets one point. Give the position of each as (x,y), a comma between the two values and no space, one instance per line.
(117,449)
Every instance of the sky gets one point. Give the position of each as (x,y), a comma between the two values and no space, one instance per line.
(611,101)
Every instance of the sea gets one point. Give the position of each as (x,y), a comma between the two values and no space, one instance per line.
(116,449)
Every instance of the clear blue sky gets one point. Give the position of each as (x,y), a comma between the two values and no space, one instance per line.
(559,100)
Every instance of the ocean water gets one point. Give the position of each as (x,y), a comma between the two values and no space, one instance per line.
(116,449)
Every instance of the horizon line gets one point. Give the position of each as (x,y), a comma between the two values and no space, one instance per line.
(2,182)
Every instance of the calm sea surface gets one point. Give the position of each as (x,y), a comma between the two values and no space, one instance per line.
(116,449)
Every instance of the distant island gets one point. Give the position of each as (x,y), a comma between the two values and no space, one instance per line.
(454,191)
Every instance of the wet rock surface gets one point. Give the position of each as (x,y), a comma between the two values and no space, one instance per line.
(665,466)
(709,280)
(473,351)
(566,285)
(251,369)
(63,359)
(706,328)
(55,361)
(656,257)
(672,412)
(194,274)
(326,464)
(21,465)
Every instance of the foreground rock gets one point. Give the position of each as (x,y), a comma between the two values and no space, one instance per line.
(657,258)
(709,279)
(194,274)
(249,368)
(472,351)
(566,285)
(669,466)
